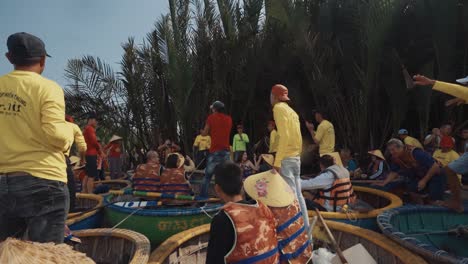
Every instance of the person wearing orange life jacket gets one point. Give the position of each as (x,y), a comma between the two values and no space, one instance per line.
(244,231)
(272,190)
(173,177)
(147,176)
(333,185)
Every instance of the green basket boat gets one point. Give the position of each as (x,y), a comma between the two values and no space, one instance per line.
(189,247)
(379,200)
(157,224)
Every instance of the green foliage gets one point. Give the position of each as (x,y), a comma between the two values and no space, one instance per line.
(344,56)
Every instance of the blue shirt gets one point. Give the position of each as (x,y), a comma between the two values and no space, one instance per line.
(424,159)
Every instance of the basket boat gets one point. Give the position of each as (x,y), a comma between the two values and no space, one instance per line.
(91,219)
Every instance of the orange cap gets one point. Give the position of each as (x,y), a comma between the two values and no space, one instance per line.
(281,92)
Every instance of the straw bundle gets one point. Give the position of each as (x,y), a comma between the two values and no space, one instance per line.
(13,251)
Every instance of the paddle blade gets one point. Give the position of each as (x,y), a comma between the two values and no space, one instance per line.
(356,254)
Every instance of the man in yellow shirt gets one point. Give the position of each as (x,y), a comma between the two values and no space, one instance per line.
(34,197)
(446,154)
(81,146)
(325,134)
(201,147)
(287,160)
(273,147)
(403,135)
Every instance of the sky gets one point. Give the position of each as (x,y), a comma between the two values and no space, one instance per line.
(74,28)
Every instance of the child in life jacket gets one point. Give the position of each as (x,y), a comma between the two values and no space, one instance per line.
(244,231)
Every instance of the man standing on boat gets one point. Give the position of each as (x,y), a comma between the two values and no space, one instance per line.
(34,196)
(325,134)
(92,152)
(218,126)
(287,160)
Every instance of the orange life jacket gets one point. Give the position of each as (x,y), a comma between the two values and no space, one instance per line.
(293,243)
(147,177)
(255,230)
(406,161)
(339,194)
(173,181)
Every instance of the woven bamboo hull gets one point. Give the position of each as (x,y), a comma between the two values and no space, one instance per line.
(379,200)
(89,220)
(401,225)
(158,224)
(113,246)
(115,185)
(189,247)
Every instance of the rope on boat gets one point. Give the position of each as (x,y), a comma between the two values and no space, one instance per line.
(196,168)
(125,219)
(204,211)
(191,252)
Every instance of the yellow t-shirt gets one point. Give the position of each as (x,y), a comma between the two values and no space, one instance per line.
(202,142)
(452,89)
(326,137)
(445,158)
(78,138)
(34,134)
(413,142)
(289,131)
(273,141)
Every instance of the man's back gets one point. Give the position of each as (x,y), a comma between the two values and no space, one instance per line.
(413,142)
(326,136)
(34,131)
(289,131)
(220,130)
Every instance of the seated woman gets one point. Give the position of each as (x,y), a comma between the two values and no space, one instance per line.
(247,167)
(173,177)
(378,167)
(147,176)
(348,162)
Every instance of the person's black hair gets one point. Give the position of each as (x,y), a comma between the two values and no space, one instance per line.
(92,115)
(228,177)
(327,161)
(172,161)
(319,111)
(239,157)
(21,62)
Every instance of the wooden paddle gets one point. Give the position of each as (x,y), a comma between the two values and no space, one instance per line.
(332,238)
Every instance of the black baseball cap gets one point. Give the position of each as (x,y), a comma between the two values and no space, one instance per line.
(25,46)
(217,105)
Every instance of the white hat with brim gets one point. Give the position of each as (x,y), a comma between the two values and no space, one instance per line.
(269,188)
(74,160)
(115,138)
(377,153)
(463,80)
(336,157)
(78,166)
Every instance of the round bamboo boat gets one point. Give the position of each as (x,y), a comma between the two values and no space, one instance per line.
(425,230)
(83,218)
(156,223)
(379,200)
(189,247)
(113,246)
(114,185)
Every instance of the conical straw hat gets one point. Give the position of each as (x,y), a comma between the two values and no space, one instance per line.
(74,160)
(269,188)
(377,153)
(114,138)
(336,157)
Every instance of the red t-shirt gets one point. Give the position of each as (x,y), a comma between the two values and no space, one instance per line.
(114,149)
(220,131)
(89,134)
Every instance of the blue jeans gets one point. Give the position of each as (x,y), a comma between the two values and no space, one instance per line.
(435,188)
(291,172)
(33,208)
(213,160)
(460,165)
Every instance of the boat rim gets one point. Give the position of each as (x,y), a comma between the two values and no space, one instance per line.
(75,219)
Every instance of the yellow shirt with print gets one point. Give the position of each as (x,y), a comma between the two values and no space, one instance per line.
(325,135)
(445,157)
(413,142)
(202,142)
(289,132)
(273,141)
(34,134)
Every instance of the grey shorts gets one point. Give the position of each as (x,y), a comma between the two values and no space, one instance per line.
(460,165)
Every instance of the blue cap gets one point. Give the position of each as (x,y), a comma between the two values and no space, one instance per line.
(402,132)
(26,46)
